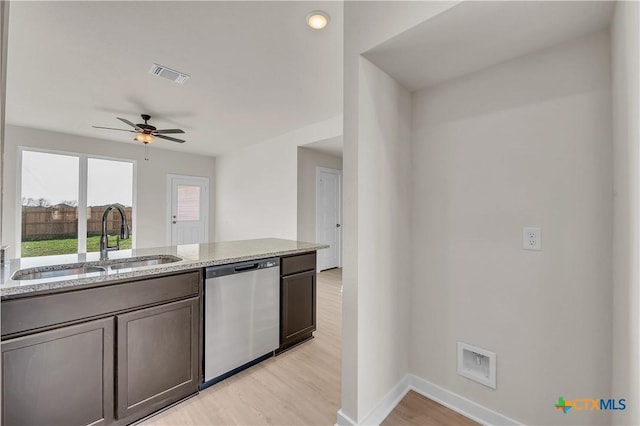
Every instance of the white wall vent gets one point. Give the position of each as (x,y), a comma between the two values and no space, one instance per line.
(477,364)
(168,73)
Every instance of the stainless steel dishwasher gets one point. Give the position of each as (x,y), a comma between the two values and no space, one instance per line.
(241,316)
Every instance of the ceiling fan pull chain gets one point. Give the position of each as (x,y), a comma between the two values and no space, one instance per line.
(146,152)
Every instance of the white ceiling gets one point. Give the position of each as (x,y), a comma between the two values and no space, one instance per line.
(474,35)
(257,71)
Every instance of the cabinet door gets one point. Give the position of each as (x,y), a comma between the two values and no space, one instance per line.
(298,305)
(60,377)
(157,357)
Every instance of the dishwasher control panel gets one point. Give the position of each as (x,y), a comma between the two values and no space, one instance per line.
(240,267)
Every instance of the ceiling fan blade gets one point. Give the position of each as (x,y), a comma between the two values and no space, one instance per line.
(113,128)
(124,120)
(167,131)
(169,138)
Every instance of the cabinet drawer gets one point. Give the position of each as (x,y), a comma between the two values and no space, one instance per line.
(31,313)
(300,263)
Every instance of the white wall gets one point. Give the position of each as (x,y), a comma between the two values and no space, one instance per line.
(308,160)
(360,375)
(625,94)
(256,186)
(384,201)
(4,33)
(151,208)
(4,19)
(256,192)
(525,143)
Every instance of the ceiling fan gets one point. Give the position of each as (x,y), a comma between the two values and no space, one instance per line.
(146,133)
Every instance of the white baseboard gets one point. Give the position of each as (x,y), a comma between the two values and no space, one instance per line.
(382,409)
(387,404)
(434,392)
(458,403)
(343,420)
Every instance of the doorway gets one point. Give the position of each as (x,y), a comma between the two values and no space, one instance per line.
(329,217)
(188,201)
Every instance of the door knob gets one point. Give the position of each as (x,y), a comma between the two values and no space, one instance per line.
(338,225)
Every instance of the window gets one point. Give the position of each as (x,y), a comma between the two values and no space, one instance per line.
(188,203)
(63,197)
(108,182)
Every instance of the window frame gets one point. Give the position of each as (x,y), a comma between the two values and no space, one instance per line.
(83,161)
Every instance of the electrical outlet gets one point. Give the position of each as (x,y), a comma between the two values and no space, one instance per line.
(531,238)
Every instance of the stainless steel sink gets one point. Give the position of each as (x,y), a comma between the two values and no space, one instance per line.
(56,271)
(137,262)
(44,272)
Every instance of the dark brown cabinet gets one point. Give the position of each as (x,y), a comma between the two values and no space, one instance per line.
(297,299)
(105,355)
(299,313)
(157,356)
(60,377)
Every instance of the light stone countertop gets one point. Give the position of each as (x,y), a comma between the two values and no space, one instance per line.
(193,256)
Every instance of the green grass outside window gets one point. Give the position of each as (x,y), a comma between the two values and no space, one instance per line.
(66,246)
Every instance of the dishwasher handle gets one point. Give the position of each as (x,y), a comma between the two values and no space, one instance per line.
(246,268)
(241,267)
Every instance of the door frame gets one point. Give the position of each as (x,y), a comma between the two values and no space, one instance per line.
(196,179)
(339,174)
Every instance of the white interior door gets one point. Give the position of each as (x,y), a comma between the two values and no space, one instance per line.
(189,209)
(329,216)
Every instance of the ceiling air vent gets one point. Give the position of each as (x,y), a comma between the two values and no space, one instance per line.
(168,73)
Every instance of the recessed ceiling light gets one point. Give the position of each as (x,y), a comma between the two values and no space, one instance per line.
(317,19)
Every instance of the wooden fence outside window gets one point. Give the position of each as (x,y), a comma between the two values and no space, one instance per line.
(61,221)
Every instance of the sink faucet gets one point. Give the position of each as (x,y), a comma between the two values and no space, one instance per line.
(105,248)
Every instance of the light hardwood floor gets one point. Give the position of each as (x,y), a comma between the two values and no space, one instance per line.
(298,387)
(415,409)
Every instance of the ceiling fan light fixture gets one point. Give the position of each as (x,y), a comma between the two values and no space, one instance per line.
(145,132)
(145,138)
(318,19)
